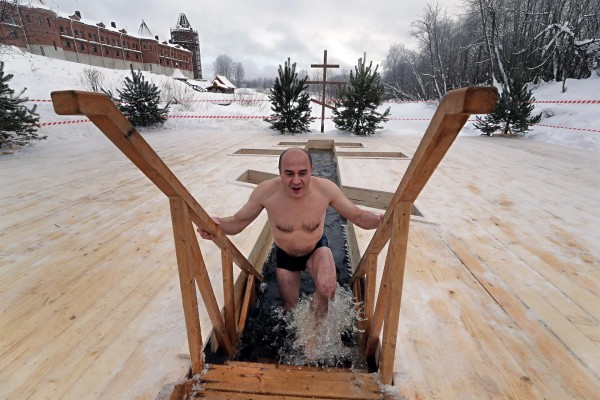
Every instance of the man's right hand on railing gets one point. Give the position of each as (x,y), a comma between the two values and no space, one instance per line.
(207,235)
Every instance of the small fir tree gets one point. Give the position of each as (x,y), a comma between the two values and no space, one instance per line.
(513,111)
(356,111)
(18,124)
(139,101)
(290,102)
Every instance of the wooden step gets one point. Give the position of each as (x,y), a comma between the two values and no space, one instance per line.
(243,380)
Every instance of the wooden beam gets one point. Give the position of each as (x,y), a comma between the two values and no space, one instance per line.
(208,295)
(449,118)
(180,218)
(229,303)
(107,117)
(323,104)
(249,298)
(398,243)
(376,322)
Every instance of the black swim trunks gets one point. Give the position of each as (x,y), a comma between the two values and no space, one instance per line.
(285,261)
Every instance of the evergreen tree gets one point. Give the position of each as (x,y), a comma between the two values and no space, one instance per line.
(290,102)
(356,111)
(513,111)
(18,124)
(139,101)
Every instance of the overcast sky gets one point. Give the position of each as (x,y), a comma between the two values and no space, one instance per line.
(261,34)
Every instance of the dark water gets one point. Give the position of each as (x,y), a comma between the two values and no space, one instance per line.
(267,335)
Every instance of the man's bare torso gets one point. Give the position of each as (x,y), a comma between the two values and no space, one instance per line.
(296,223)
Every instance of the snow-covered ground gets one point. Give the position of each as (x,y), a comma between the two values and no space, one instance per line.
(42,75)
(81,328)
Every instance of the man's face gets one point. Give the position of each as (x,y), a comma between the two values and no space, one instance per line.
(295,172)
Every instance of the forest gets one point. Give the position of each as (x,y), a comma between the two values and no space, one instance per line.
(495,42)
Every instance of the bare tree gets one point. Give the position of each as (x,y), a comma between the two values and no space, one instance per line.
(223,65)
(91,79)
(238,73)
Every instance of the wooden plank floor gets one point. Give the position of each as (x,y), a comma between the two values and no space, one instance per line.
(501,290)
(263,381)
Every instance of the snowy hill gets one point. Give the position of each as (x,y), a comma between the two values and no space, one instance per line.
(566,123)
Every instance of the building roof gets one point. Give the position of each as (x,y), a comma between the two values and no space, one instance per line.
(144,31)
(224,82)
(183,23)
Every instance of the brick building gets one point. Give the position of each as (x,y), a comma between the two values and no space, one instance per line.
(40,30)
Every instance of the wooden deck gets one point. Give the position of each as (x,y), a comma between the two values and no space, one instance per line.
(243,381)
(501,289)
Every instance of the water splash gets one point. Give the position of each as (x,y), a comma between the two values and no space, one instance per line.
(330,341)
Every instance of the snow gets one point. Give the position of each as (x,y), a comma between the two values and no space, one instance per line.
(42,75)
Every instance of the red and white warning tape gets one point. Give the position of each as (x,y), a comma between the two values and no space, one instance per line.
(567,101)
(78,121)
(567,127)
(73,121)
(218,116)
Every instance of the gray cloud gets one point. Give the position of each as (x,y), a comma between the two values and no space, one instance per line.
(263,33)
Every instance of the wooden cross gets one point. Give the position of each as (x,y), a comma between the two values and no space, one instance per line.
(324,82)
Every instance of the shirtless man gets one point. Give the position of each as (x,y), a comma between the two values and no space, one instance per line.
(296,203)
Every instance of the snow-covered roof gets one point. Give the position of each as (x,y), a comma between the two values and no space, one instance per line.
(144,31)
(183,23)
(177,74)
(226,83)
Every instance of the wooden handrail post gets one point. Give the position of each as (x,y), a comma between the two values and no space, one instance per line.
(370,281)
(399,244)
(208,295)
(180,218)
(376,322)
(228,298)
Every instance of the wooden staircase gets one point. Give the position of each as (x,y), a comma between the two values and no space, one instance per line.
(381,310)
(242,380)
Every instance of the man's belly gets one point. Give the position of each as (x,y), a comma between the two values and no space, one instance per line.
(297,244)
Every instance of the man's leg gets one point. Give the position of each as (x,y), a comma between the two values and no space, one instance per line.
(289,287)
(321,267)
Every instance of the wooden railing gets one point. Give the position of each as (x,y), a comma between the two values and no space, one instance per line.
(185,211)
(449,118)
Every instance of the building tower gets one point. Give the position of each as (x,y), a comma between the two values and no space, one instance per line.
(186,37)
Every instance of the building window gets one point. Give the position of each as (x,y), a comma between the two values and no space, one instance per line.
(82,46)
(95,37)
(102,39)
(48,19)
(61,29)
(75,32)
(107,52)
(89,35)
(13,35)
(144,47)
(94,49)
(54,43)
(28,18)
(118,53)
(115,42)
(39,19)
(68,45)
(127,55)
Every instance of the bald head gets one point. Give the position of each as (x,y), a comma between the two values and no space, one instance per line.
(295,151)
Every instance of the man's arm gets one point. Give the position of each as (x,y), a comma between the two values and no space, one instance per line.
(349,210)
(239,221)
